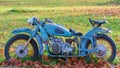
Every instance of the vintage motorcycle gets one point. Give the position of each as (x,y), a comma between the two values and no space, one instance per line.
(56,41)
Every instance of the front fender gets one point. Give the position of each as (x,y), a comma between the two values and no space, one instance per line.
(24,30)
(29,31)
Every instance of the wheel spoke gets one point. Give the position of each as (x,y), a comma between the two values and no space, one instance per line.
(12,49)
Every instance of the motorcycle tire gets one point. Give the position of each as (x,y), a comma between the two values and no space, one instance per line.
(111,43)
(19,37)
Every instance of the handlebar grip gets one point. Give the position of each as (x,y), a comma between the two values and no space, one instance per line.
(48,20)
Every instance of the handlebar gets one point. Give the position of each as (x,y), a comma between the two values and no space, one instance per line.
(48,20)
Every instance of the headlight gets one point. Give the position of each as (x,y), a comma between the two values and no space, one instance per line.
(33,21)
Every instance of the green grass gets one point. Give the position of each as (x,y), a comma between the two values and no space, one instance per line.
(70,13)
(53,3)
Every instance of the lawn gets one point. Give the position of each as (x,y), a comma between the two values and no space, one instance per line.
(70,13)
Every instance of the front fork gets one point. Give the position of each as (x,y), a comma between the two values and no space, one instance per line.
(32,35)
(39,40)
(43,37)
(26,44)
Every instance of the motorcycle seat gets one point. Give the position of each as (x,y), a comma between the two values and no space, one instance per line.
(99,22)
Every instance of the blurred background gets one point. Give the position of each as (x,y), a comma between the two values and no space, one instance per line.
(70,13)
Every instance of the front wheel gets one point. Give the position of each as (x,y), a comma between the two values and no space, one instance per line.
(16,43)
(106,48)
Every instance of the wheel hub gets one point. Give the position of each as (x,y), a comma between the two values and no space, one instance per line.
(21,53)
(100,51)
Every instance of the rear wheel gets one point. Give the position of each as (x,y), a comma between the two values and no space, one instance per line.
(16,43)
(105,49)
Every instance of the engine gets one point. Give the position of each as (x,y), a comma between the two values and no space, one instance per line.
(59,47)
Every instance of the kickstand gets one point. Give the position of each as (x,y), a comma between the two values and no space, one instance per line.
(66,60)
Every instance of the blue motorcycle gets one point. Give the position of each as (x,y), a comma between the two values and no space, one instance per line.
(56,41)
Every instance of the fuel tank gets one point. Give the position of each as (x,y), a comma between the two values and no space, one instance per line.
(57,30)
